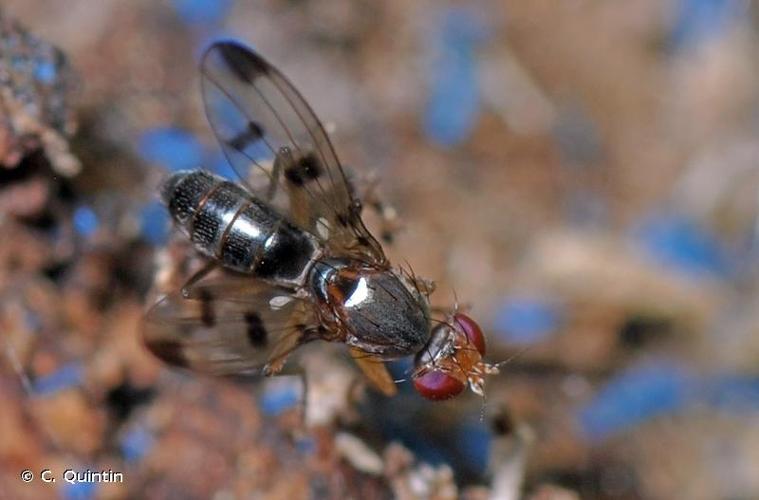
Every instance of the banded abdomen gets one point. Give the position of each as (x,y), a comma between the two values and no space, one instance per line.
(243,233)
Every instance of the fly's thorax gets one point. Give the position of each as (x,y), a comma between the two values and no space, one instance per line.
(378,310)
(243,233)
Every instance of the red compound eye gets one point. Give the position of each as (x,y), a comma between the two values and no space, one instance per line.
(472,331)
(437,385)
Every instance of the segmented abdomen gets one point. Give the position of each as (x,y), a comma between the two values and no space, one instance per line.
(244,234)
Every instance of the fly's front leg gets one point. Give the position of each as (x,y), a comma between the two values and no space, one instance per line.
(390,223)
(298,335)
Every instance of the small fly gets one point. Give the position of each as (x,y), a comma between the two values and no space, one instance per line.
(289,259)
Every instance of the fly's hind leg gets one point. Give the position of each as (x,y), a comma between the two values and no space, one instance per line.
(187,288)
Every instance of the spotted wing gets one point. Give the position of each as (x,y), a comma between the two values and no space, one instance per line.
(280,150)
(227,326)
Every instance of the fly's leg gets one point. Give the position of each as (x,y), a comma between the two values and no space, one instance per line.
(280,353)
(187,288)
(303,401)
(389,222)
(427,286)
(299,335)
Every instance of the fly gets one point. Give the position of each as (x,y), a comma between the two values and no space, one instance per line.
(289,258)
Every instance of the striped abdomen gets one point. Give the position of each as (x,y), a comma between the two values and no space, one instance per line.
(242,233)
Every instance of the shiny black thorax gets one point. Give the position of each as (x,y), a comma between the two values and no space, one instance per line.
(380,311)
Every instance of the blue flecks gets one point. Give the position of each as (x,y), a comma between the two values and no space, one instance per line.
(637,395)
(154,223)
(586,208)
(220,165)
(732,392)
(79,490)
(527,320)
(202,12)
(681,244)
(136,443)
(173,148)
(454,101)
(32,320)
(67,376)
(85,221)
(577,136)
(45,72)
(279,396)
(697,21)
(654,389)
(424,447)
(229,122)
(400,368)
(305,445)
(473,441)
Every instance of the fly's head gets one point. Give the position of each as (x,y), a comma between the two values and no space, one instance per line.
(452,359)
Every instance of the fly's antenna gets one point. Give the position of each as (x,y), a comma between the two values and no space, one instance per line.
(517,354)
(458,305)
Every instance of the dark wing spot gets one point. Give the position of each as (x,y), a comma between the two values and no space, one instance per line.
(244,63)
(305,169)
(255,130)
(207,315)
(169,352)
(363,241)
(251,134)
(257,335)
(342,220)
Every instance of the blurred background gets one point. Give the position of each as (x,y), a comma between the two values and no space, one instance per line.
(583,175)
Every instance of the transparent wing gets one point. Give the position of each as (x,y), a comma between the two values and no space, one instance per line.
(280,150)
(228,326)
